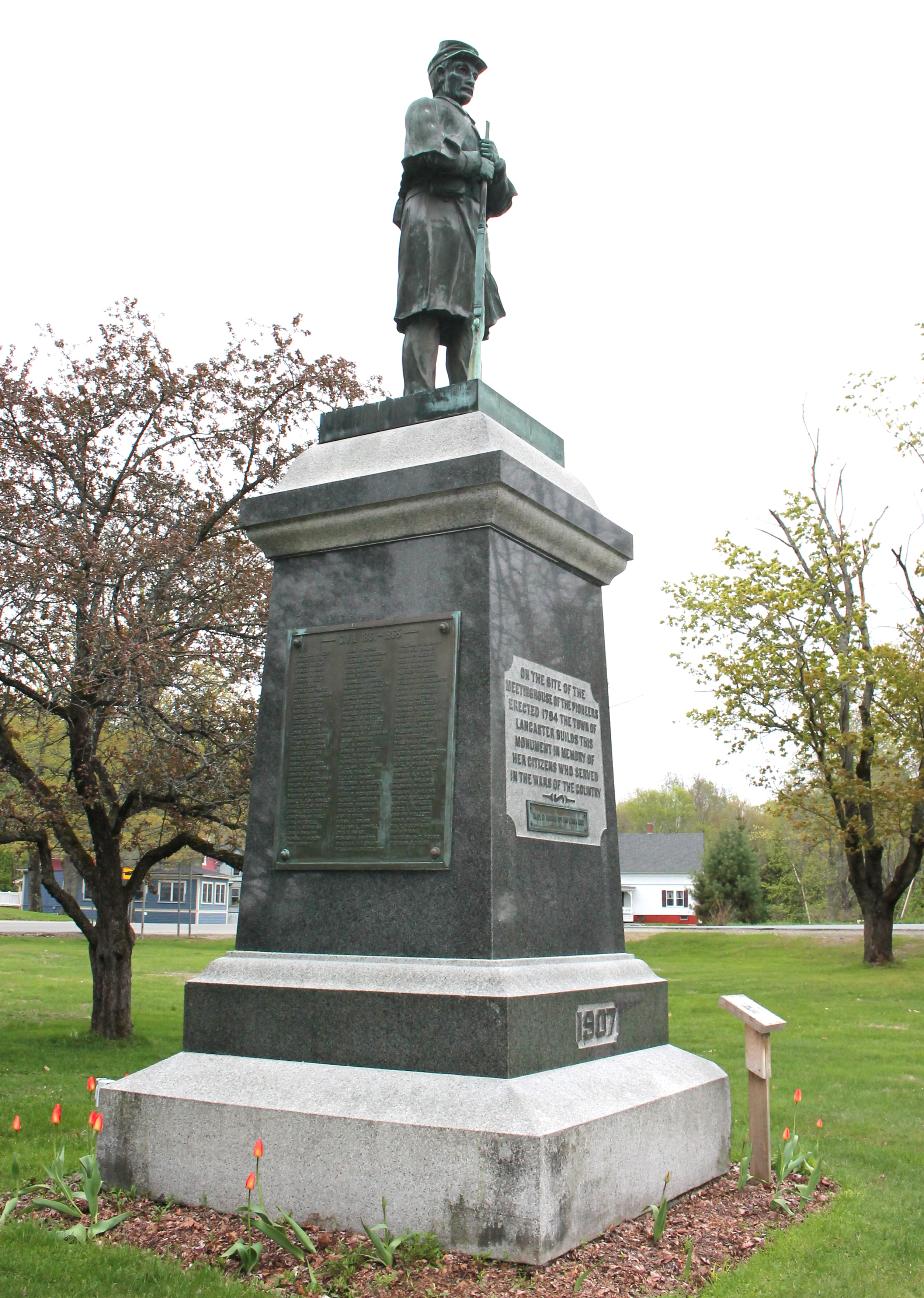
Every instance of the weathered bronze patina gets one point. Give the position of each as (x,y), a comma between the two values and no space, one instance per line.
(368,746)
(445,163)
(543,818)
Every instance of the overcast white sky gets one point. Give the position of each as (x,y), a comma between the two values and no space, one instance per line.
(719,218)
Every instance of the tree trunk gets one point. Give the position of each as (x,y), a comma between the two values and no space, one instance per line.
(33,887)
(878,918)
(111,965)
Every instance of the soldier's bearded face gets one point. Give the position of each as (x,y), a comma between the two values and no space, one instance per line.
(459,80)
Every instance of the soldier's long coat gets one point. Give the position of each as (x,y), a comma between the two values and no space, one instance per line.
(438,212)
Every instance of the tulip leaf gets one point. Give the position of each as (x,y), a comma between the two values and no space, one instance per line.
(247,1255)
(299,1232)
(265,1224)
(73,1232)
(100,1227)
(66,1209)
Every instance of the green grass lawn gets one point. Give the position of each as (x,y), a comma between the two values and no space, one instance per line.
(854,1044)
(46,1055)
(33,1264)
(46,1050)
(13,912)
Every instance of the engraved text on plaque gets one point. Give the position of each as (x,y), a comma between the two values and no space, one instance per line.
(554,752)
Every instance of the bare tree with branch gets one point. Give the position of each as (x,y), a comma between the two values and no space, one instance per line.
(131,608)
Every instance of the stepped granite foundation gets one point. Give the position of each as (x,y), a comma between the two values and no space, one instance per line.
(430,998)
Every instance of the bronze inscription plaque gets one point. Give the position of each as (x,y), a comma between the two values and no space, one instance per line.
(543,818)
(368,747)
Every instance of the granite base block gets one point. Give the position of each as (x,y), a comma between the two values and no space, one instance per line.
(438,405)
(521,1169)
(496,1018)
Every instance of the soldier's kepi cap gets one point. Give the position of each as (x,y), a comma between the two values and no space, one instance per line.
(450,50)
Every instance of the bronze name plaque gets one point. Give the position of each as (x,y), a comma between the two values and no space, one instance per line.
(545,818)
(368,747)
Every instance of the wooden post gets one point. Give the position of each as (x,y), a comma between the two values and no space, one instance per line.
(758,1024)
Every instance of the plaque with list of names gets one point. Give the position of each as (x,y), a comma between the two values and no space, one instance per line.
(368,746)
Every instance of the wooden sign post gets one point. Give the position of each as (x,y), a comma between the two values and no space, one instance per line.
(758,1024)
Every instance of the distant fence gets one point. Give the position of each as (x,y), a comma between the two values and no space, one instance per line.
(10,898)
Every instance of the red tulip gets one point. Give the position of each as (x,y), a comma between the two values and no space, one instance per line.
(258,1149)
(786,1133)
(91,1083)
(797,1095)
(819,1124)
(97,1123)
(91,1118)
(56,1115)
(17,1122)
(250,1182)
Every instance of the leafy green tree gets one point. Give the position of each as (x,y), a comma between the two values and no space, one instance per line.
(783,884)
(913,903)
(727,888)
(670,810)
(784,641)
(11,866)
(676,809)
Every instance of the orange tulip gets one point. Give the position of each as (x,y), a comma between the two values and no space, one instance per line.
(97,1123)
(786,1133)
(250,1182)
(797,1095)
(56,1115)
(91,1083)
(258,1149)
(17,1122)
(91,1118)
(819,1124)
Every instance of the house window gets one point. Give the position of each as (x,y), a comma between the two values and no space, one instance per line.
(172,890)
(626,900)
(84,891)
(675,897)
(212,892)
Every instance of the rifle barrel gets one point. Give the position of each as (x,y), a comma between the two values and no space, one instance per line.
(478,305)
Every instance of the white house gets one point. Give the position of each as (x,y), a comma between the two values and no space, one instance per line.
(657,876)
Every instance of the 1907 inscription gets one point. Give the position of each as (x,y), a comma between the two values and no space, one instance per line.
(596,1025)
(368,746)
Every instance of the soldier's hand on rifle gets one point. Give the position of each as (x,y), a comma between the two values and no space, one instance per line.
(473,164)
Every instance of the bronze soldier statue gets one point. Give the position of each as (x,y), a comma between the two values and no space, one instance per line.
(445,163)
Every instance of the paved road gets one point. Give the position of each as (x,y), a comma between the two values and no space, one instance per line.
(67,928)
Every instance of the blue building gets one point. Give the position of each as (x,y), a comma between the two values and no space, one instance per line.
(184,891)
(44,902)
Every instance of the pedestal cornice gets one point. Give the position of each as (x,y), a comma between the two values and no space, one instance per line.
(464,472)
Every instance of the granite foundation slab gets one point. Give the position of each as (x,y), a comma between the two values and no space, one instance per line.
(469,471)
(521,1169)
(425,407)
(496,1018)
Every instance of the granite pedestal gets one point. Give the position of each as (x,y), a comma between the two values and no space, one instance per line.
(523,1169)
(449,1019)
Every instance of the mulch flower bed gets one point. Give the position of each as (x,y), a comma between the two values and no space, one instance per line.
(726,1225)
